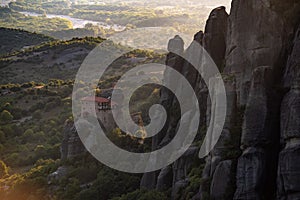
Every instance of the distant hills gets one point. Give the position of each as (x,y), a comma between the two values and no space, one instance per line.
(34,57)
(15,40)
(45,60)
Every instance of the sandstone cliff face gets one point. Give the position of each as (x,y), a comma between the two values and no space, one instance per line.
(258,46)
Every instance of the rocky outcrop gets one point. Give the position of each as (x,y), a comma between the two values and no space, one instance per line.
(221,180)
(168,100)
(257,49)
(257,36)
(216,28)
(71,144)
(219,158)
(214,40)
(291,71)
(181,169)
(257,155)
(165,178)
(256,169)
(149,181)
(251,46)
(219,161)
(289,159)
(58,174)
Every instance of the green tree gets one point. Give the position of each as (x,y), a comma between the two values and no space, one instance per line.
(13,159)
(29,134)
(8,130)
(7,106)
(6,116)
(72,189)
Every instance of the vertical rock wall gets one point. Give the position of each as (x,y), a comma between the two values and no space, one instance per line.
(257,156)
(289,158)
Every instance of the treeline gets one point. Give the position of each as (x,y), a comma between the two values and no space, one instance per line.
(89,42)
(16,39)
(88,31)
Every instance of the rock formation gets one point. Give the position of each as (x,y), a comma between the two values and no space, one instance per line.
(216,27)
(257,47)
(256,169)
(71,144)
(215,35)
(289,158)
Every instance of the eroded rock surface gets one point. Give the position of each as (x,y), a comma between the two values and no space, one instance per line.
(71,144)
(215,35)
(258,153)
(289,158)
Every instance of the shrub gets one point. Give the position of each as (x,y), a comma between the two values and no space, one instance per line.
(6,116)
(37,114)
(9,132)
(3,169)
(13,159)
(38,137)
(17,113)
(39,105)
(2,137)
(50,106)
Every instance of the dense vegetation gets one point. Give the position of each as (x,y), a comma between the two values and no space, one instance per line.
(88,31)
(33,115)
(31,121)
(135,14)
(36,81)
(179,16)
(37,76)
(12,19)
(14,40)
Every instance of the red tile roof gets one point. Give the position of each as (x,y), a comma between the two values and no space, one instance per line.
(96,99)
